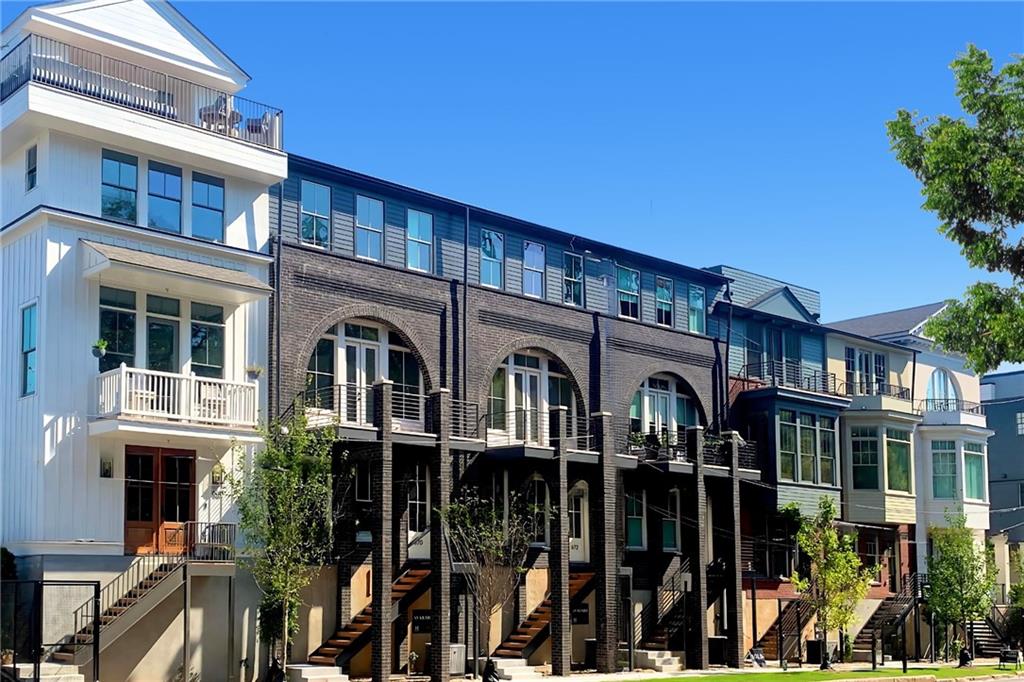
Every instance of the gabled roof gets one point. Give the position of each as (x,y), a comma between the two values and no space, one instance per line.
(154,29)
(905,321)
(782,301)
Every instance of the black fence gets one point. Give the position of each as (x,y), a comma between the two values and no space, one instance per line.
(38,616)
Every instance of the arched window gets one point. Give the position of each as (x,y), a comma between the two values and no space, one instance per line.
(524,387)
(662,407)
(346,362)
(942,393)
(537,505)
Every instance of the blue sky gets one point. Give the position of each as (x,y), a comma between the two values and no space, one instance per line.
(750,134)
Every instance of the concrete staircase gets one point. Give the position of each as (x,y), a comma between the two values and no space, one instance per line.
(347,641)
(516,669)
(48,672)
(536,628)
(659,660)
(306,672)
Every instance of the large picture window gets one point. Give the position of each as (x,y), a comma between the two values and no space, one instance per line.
(207,207)
(628,282)
(533,269)
(944,469)
(572,279)
(120,180)
(164,199)
(864,457)
(208,340)
(369,228)
(492,258)
(117,327)
(315,226)
(897,457)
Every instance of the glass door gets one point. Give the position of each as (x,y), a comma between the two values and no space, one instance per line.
(159,499)
(658,412)
(526,386)
(579,542)
(360,373)
(176,478)
(864,383)
(140,526)
(419,513)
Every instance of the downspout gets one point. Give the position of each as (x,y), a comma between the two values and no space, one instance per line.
(277,302)
(464,392)
(728,348)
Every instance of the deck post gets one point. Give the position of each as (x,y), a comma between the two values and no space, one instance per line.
(381,483)
(439,665)
(561,627)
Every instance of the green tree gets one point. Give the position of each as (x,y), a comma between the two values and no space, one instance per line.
(284,503)
(491,541)
(972,177)
(961,573)
(837,580)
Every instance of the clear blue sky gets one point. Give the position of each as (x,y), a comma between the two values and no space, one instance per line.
(750,134)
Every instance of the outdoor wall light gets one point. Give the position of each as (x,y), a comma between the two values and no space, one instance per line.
(106,467)
(217,474)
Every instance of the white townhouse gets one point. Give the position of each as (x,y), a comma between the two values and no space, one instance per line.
(950,439)
(134,271)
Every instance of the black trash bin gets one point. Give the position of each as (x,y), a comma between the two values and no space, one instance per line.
(590,654)
(814,651)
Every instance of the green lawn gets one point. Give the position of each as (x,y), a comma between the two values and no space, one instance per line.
(890,670)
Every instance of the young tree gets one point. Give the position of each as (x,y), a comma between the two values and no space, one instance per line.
(961,573)
(492,547)
(284,508)
(837,580)
(972,177)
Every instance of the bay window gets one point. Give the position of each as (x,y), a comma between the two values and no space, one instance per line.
(944,469)
(897,459)
(787,445)
(864,457)
(974,471)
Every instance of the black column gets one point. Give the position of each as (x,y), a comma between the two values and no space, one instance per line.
(381,482)
(561,635)
(440,406)
(734,553)
(606,545)
(698,641)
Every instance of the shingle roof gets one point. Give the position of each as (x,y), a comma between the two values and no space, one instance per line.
(893,322)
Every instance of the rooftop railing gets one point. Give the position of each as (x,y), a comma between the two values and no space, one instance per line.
(96,76)
(950,405)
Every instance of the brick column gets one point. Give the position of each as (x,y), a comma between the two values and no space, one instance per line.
(440,406)
(381,482)
(605,547)
(734,557)
(697,643)
(561,635)
(345,543)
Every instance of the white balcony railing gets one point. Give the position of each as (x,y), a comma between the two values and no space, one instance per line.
(128,391)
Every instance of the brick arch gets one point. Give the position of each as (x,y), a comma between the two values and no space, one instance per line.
(660,367)
(366,311)
(553,348)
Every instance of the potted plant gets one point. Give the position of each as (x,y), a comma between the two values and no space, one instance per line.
(637,440)
(99,348)
(7,657)
(253,372)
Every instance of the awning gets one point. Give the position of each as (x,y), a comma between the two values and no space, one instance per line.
(118,265)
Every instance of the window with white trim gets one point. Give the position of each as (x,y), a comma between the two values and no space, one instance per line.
(419,499)
(117,327)
(315,227)
(29,344)
(897,459)
(974,471)
(670,524)
(944,469)
(572,279)
(636,520)
(533,269)
(664,300)
(864,457)
(31,168)
(420,239)
(628,283)
(207,340)
(697,313)
(369,228)
(492,258)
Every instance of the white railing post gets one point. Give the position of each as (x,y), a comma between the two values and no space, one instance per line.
(122,390)
(186,407)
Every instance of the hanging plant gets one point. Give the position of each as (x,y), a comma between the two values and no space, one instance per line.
(99,348)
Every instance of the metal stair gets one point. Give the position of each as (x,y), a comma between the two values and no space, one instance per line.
(663,618)
(987,641)
(339,649)
(795,615)
(537,627)
(890,613)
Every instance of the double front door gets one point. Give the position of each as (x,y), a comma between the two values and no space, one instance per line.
(159,499)
(361,370)
(528,420)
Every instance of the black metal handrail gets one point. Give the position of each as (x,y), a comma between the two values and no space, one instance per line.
(96,76)
(465,419)
(668,595)
(950,405)
(790,374)
(858,388)
(653,444)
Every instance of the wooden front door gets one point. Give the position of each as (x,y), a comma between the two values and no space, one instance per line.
(159,496)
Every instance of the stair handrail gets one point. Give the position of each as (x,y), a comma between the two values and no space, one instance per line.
(118,588)
(668,595)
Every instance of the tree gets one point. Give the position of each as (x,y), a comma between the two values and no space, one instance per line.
(972,178)
(961,573)
(837,580)
(492,548)
(284,507)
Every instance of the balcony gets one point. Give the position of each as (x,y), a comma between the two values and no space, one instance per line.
(72,69)
(951,411)
(788,374)
(878,395)
(149,395)
(532,427)
(674,446)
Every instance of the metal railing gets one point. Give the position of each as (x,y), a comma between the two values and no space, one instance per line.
(858,388)
(950,405)
(667,596)
(178,397)
(408,406)
(749,455)
(465,419)
(663,444)
(515,427)
(194,541)
(73,69)
(339,404)
(579,435)
(790,374)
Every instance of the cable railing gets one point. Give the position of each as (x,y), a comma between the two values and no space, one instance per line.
(465,419)
(96,76)
(790,374)
(863,388)
(950,405)
(516,427)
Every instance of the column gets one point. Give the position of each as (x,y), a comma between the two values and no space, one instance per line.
(698,640)
(605,544)
(380,480)
(561,636)
(733,551)
(440,406)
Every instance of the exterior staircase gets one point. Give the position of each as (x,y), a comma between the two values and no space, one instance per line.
(349,640)
(125,600)
(659,660)
(537,626)
(987,642)
(48,672)
(889,614)
(794,617)
(515,669)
